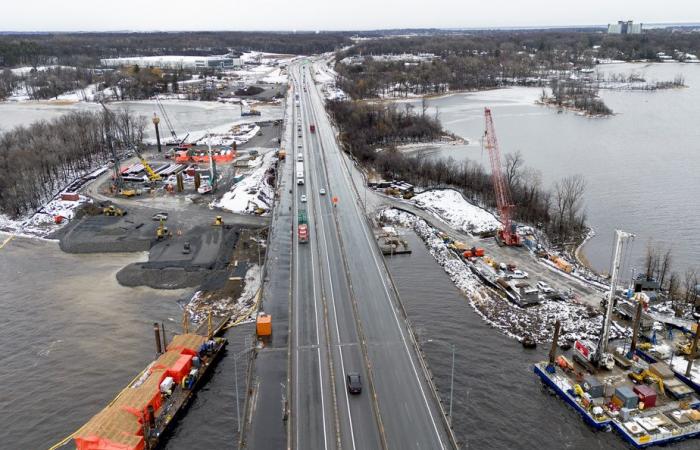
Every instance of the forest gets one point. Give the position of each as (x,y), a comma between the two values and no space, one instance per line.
(86,49)
(40,159)
(364,127)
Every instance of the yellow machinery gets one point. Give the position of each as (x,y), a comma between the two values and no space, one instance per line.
(162,230)
(685,348)
(218,221)
(641,375)
(112,210)
(152,175)
(128,192)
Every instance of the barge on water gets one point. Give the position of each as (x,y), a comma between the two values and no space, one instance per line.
(647,404)
(145,411)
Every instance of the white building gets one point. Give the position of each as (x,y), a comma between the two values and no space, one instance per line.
(622,27)
(176,62)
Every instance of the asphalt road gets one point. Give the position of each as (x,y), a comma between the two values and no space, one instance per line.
(345,315)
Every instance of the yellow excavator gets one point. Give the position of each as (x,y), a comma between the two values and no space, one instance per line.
(640,375)
(162,231)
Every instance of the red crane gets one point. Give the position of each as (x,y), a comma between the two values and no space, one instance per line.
(506,236)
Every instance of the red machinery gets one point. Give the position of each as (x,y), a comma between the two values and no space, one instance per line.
(506,236)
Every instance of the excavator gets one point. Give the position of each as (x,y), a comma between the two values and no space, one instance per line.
(641,374)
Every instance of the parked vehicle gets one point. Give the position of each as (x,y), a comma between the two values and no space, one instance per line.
(544,287)
(517,274)
(160,216)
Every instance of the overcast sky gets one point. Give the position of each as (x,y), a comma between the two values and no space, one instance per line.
(173,15)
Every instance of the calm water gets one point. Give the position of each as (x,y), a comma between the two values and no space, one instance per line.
(642,165)
(73,338)
(499,403)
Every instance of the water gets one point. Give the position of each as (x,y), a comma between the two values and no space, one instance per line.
(72,337)
(499,403)
(641,165)
(186,116)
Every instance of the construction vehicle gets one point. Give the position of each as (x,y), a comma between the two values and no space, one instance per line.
(641,375)
(474,252)
(218,221)
(128,192)
(507,235)
(162,231)
(112,210)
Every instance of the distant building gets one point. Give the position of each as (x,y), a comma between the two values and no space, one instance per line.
(622,27)
(176,62)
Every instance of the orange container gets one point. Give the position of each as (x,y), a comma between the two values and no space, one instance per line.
(264,325)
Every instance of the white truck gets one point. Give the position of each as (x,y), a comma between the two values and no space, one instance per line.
(300,173)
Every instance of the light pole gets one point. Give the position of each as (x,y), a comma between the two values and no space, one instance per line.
(452,376)
(235,376)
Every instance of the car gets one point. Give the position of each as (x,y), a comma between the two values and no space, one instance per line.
(354,381)
(303,198)
(160,216)
(186,248)
(322,191)
(299,146)
(544,287)
(517,274)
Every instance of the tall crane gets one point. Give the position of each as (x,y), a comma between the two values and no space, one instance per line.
(506,236)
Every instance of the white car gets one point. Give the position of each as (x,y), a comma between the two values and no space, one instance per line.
(544,287)
(517,274)
(303,198)
(322,191)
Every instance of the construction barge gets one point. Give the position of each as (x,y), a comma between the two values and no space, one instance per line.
(642,399)
(146,410)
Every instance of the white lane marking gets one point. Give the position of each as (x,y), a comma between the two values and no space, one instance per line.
(335,315)
(313,288)
(318,350)
(393,309)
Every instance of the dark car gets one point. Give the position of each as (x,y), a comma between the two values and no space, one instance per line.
(354,383)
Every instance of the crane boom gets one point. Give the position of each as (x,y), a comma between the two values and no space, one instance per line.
(507,235)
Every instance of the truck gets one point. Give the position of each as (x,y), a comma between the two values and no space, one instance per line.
(312,128)
(302,227)
(303,233)
(300,173)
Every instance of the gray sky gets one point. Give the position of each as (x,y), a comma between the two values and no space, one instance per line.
(173,15)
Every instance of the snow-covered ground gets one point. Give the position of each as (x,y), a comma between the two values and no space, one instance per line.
(201,304)
(225,135)
(43,223)
(578,321)
(451,207)
(253,192)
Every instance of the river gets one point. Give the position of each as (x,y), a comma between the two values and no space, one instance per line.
(499,403)
(73,338)
(642,165)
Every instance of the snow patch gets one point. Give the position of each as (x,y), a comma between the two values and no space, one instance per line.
(451,207)
(254,192)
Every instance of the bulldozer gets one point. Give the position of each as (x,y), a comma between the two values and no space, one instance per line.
(112,210)
(640,375)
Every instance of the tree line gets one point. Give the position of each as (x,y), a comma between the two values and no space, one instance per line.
(681,288)
(86,49)
(365,126)
(39,160)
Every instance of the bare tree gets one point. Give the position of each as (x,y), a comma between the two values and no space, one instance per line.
(514,168)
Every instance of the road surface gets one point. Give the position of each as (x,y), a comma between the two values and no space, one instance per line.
(345,315)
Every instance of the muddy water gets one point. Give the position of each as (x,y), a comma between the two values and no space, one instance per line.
(498,401)
(71,337)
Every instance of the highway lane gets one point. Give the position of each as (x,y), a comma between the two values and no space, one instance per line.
(356,414)
(312,417)
(408,409)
